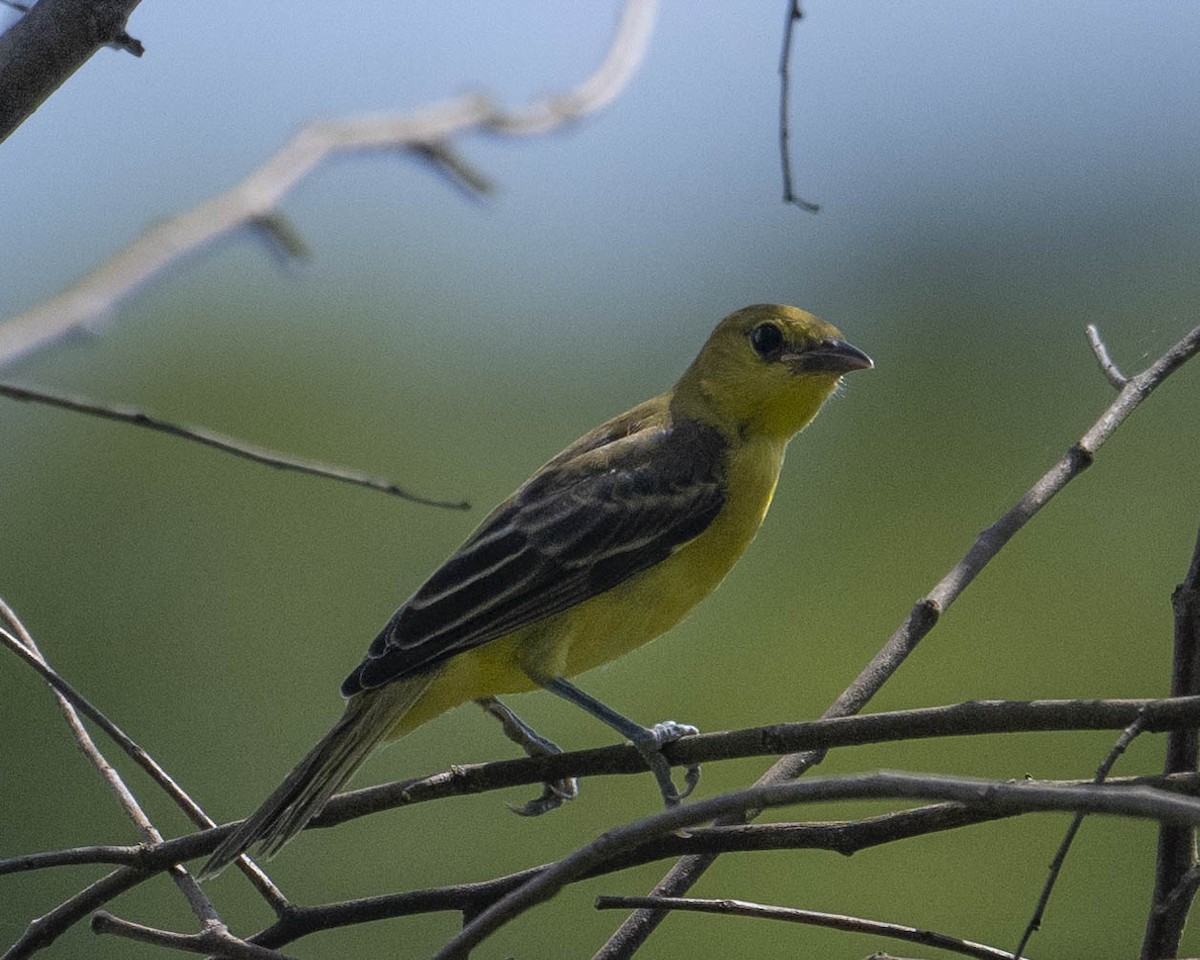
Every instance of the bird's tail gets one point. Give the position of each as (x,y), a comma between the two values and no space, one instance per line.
(368,719)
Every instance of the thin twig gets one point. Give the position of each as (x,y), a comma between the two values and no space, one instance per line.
(1060,856)
(794,15)
(1174,878)
(197,900)
(812,918)
(991,794)
(211,940)
(86,303)
(226,444)
(1107,365)
(923,618)
(23,646)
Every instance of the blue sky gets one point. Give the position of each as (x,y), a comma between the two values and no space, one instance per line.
(907,118)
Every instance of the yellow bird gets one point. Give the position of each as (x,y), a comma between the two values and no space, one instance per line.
(605,547)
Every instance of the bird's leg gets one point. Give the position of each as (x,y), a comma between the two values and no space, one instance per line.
(648,740)
(534,745)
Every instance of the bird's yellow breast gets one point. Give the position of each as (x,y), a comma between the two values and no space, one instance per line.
(630,614)
(650,603)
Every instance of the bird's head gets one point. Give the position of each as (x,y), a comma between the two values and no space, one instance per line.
(766,370)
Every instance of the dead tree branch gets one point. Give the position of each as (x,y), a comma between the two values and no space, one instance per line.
(255,201)
(1175,879)
(49,43)
(990,794)
(812,918)
(226,444)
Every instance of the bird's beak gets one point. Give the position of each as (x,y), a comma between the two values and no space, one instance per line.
(835,356)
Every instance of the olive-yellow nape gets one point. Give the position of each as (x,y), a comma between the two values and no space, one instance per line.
(606,546)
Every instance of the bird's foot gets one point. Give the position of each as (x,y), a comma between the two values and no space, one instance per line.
(650,747)
(554,793)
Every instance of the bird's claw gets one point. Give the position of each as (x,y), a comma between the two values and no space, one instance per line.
(651,747)
(554,795)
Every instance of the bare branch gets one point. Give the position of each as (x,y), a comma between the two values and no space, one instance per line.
(1109,368)
(841,837)
(992,795)
(53,40)
(201,906)
(923,618)
(44,930)
(845,837)
(85,304)
(294,921)
(812,918)
(974,717)
(214,939)
(471,898)
(24,647)
(226,444)
(1175,879)
(1060,856)
(794,14)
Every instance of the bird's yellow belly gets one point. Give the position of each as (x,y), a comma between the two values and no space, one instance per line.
(619,620)
(641,608)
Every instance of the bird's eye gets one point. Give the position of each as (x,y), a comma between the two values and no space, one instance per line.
(766,339)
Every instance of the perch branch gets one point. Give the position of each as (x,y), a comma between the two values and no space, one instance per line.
(144,862)
(968,719)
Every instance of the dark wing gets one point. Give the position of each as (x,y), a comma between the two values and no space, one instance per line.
(577,528)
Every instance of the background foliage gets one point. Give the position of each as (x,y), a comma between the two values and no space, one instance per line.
(991,181)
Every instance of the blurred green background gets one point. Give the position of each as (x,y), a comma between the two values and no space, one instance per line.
(993,177)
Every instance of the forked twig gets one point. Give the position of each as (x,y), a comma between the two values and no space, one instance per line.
(1107,366)
(1060,855)
(201,906)
(87,303)
(21,642)
(211,940)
